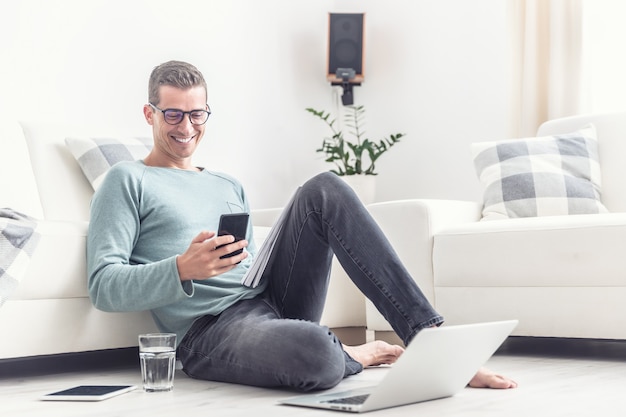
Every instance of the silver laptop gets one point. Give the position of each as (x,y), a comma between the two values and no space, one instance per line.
(438,363)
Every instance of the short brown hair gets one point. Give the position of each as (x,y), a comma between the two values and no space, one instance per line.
(177,74)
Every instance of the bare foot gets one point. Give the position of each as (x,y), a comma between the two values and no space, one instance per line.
(374,353)
(484,378)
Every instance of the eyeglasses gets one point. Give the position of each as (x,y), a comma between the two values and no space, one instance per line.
(175,116)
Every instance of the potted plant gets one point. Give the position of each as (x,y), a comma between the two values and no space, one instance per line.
(353,154)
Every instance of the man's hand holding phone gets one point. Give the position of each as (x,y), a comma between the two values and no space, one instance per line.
(235,224)
(211,254)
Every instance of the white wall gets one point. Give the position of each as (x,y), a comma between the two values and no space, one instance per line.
(438,70)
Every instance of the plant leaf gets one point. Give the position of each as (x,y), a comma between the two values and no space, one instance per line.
(348,155)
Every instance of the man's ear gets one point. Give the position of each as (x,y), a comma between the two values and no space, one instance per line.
(148,113)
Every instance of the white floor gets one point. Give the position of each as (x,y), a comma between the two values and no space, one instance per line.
(556,378)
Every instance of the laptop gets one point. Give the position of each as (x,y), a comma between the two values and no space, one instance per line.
(438,363)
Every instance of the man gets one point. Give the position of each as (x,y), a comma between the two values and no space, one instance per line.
(152,246)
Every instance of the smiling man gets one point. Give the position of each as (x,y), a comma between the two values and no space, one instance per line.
(175,142)
(152,246)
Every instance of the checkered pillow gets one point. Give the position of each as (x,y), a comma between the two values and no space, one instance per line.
(545,176)
(97,155)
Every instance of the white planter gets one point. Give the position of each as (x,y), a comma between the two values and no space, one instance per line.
(363,185)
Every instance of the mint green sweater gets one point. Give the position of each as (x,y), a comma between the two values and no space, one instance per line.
(141,219)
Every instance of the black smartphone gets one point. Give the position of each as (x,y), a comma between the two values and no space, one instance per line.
(235,224)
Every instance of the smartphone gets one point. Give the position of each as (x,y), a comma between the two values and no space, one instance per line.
(235,224)
(88,393)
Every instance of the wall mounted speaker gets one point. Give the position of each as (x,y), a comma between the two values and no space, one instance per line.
(345,45)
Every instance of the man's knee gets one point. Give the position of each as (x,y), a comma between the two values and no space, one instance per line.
(321,360)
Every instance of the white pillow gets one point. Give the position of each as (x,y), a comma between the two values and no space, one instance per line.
(544,176)
(97,155)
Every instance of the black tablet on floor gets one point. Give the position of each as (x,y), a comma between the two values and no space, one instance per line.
(88,393)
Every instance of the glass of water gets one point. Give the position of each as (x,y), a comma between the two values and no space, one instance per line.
(157,354)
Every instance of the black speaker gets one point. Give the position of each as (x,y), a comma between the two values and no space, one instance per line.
(345,44)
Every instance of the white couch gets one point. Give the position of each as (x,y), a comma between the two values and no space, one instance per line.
(561,276)
(50,311)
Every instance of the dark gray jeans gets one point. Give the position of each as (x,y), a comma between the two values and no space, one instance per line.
(275,340)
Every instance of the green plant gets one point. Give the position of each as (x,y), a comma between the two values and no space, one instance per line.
(349,155)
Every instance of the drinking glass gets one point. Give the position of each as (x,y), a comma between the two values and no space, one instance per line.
(157,354)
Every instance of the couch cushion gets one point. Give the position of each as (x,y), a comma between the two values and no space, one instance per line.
(545,176)
(97,155)
(552,251)
(18,189)
(59,261)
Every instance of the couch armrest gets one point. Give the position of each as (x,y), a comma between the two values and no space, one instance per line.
(410,226)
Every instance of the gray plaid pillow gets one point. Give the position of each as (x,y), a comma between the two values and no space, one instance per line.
(97,155)
(545,176)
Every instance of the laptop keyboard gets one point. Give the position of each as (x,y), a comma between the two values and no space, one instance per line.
(355,400)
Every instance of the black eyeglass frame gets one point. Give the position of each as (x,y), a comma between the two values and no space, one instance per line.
(182,114)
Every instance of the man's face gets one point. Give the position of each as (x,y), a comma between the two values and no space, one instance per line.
(175,144)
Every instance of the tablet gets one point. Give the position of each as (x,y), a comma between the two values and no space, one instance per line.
(88,393)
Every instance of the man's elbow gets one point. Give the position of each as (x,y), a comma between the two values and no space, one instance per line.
(96,295)
(100,304)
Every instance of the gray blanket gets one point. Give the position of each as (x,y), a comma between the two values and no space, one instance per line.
(18,240)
